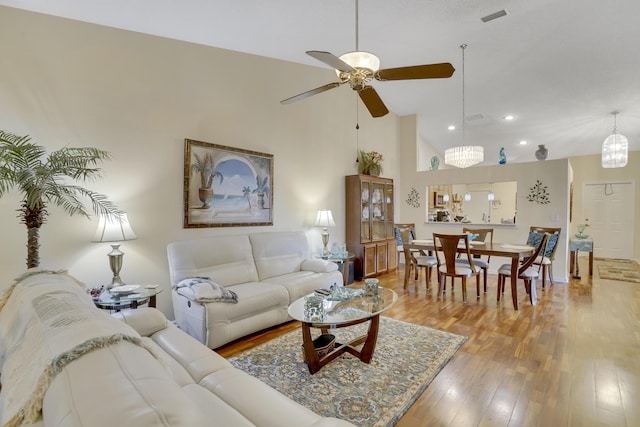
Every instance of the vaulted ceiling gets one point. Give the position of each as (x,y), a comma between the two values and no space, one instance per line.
(559,67)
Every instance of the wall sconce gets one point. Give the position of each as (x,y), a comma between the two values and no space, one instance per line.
(325,219)
(467,197)
(114,230)
(445,198)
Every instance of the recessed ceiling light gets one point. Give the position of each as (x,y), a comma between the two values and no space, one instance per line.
(509,117)
(523,142)
(451,127)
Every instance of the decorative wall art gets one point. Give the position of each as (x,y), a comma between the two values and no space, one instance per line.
(539,194)
(413,199)
(226,187)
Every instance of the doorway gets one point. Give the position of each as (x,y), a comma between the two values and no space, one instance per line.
(609,210)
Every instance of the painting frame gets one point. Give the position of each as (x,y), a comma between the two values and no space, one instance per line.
(226,186)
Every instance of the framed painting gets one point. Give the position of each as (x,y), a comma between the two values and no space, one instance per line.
(226,187)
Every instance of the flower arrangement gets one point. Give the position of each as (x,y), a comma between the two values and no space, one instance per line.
(370,163)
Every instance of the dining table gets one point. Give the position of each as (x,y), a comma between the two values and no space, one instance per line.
(513,251)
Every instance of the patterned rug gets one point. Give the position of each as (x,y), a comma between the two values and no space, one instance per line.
(619,269)
(407,358)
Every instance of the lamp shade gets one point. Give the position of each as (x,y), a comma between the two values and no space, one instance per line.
(361,60)
(615,151)
(325,219)
(114,229)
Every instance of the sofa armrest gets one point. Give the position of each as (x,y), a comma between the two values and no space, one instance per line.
(318,265)
(145,320)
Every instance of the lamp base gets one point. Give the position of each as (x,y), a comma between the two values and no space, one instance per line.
(325,241)
(115,263)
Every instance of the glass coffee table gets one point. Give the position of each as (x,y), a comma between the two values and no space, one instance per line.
(341,314)
(114,301)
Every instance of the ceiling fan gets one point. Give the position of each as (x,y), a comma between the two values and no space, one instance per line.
(359,68)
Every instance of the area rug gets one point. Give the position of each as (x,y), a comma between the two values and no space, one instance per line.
(406,359)
(618,269)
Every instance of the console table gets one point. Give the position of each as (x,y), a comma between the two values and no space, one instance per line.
(576,245)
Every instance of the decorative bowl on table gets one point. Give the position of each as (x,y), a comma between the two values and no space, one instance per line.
(124,290)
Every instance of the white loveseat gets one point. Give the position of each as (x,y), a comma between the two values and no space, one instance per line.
(157,376)
(267,271)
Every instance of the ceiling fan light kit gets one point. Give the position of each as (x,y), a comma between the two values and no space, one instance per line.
(465,155)
(615,149)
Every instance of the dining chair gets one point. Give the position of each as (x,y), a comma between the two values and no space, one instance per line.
(447,246)
(546,258)
(399,240)
(414,259)
(526,271)
(483,234)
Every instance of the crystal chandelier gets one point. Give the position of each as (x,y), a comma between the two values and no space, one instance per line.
(615,149)
(465,155)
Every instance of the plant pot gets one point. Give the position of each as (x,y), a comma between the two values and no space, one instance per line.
(261,200)
(205,195)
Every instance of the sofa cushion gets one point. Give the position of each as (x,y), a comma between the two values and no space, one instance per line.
(279,253)
(227,260)
(319,265)
(302,283)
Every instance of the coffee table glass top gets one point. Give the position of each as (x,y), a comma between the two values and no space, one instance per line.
(340,312)
(113,300)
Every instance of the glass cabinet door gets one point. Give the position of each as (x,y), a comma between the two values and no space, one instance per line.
(365,212)
(388,209)
(378,211)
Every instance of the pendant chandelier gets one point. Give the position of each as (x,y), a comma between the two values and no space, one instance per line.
(615,149)
(465,155)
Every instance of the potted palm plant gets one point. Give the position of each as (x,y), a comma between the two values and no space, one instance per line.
(43,180)
(204,166)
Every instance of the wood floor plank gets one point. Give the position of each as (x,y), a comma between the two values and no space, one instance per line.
(572,360)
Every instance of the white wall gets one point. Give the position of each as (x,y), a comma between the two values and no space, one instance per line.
(139,97)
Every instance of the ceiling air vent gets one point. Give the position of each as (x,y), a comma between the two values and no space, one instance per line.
(495,15)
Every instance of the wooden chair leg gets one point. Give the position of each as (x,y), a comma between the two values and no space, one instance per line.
(551,275)
(485,279)
(441,281)
(544,274)
(478,286)
(464,289)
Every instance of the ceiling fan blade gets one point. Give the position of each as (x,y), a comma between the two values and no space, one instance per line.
(310,93)
(430,71)
(330,59)
(373,102)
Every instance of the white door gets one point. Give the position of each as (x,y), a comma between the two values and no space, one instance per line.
(609,210)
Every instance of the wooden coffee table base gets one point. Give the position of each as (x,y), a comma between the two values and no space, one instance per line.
(314,362)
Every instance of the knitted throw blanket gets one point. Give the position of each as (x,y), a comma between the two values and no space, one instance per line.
(46,322)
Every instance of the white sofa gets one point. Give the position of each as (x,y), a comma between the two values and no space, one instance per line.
(165,379)
(267,271)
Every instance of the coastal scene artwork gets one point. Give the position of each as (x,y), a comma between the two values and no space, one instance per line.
(226,186)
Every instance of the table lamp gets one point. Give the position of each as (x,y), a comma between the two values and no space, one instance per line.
(325,219)
(114,229)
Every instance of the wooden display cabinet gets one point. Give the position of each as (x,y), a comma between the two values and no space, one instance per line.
(369,224)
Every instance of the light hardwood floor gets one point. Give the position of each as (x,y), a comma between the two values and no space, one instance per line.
(572,360)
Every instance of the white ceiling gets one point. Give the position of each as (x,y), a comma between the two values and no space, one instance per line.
(561,67)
